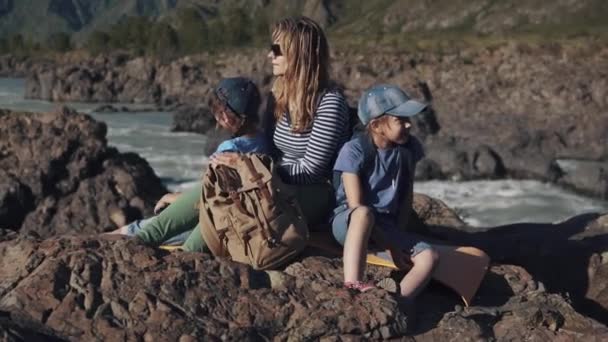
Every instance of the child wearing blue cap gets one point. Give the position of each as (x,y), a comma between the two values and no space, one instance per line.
(374,175)
(234,104)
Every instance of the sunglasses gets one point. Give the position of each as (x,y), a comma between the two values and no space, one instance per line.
(276,50)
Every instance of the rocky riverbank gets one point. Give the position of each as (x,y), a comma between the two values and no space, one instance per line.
(515,110)
(61,183)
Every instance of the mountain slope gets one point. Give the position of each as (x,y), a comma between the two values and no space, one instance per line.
(38,19)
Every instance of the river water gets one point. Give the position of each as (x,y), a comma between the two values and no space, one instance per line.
(177,158)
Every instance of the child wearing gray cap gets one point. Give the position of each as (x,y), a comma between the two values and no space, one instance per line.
(374,175)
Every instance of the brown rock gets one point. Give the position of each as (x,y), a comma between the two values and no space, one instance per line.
(89,288)
(60,176)
(567,257)
(143,293)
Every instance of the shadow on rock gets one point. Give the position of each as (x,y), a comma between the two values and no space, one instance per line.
(567,257)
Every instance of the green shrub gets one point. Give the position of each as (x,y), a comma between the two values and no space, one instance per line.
(59,42)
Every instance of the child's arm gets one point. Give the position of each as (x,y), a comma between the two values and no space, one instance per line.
(352,189)
(416,151)
(406,207)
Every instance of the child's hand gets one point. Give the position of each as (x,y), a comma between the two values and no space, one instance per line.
(401,260)
(164,202)
(224,158)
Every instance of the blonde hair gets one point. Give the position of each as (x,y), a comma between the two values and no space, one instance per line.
(306,51)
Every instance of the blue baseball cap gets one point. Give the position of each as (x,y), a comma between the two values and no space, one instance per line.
(387,99)
(240,94)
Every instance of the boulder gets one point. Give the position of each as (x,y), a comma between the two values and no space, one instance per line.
(59,175)
(198,119)
(568,257)
(588,176)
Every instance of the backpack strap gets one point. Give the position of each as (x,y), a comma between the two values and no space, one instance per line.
(257,177)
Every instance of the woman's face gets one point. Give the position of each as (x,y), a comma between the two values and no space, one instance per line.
(279,62)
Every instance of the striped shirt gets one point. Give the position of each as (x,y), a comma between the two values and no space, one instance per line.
(308,157)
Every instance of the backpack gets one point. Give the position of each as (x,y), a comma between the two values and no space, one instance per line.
(249,215)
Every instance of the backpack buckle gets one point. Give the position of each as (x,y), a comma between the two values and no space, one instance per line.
(272,242)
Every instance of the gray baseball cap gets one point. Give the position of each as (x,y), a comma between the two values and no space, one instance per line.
(240,94)
(387,99)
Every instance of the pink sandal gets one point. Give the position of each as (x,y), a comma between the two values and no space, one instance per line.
(359,286)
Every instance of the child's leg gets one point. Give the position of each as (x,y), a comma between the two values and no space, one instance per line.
(355,247)
(195,242)
(178,217)
(424,259)
(130,229)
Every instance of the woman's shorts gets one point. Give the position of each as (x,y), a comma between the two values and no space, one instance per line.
(408,242)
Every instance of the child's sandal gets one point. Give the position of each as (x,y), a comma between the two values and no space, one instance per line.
(359,286)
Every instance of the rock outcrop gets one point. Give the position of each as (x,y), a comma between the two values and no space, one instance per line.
(57,175)
(120,78)
(84,288)
(197,119)
(12,66)
(567,257)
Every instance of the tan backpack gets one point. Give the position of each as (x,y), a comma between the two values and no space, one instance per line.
(249,215)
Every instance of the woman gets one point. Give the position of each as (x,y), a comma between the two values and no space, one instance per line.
(310,120)
(308,125)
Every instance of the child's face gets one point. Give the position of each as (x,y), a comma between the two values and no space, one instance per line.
(227,121)
(396,129)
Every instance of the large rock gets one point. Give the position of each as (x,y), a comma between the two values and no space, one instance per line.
(118,78)
(14,66)
(58,175)
(197,119)
(581,175)
(84,288)
(568,257)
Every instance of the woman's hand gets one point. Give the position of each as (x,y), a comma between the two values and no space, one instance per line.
(164,201)
(224,158)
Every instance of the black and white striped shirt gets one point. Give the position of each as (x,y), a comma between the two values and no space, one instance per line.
(308,157)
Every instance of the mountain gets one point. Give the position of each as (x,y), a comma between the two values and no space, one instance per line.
(37,20)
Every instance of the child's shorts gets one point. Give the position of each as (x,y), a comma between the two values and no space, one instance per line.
(408,242)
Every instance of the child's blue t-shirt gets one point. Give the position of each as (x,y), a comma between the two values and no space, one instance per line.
(255,144)
(386,179)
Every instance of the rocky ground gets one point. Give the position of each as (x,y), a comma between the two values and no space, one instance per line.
(525,110)
(86,287)
(61,281)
